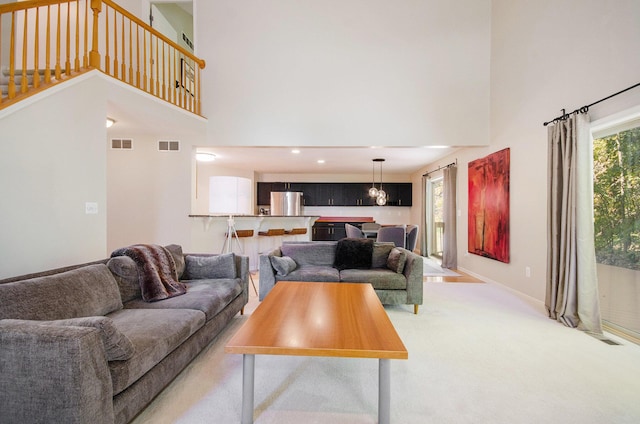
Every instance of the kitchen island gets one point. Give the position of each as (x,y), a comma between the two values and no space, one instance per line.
(208,233)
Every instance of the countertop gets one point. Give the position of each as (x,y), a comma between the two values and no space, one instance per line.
(253,216)
(345,219)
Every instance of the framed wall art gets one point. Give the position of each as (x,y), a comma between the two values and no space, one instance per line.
(187,76)
(488,221)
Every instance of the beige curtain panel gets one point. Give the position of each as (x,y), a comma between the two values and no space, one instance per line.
(450,244)
(572,285)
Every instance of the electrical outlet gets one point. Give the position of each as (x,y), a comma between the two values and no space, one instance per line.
(91,208)
(527,271)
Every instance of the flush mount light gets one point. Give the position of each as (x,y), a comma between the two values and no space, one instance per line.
(295,151)
(320,161)
(205,157)
(110,122)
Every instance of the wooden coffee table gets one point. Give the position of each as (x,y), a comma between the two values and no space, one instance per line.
(319,319)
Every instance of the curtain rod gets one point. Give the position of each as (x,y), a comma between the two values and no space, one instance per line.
(585,109)
(442,167)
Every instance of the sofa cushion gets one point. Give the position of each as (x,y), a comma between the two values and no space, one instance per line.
(312,273)
(82,292)
(208,296)
(380,279)
(380,254)
(396,260)
(283,265)
(353,253)
(178,258)
(117,346)
(210,266)
(142,327)
(310,253)
(125,271)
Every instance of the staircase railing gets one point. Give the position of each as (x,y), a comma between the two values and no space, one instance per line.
(45,42)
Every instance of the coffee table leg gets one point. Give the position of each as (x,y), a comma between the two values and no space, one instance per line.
(248,367)
(384,391)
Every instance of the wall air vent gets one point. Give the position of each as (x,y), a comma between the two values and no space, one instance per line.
(122,143)
(168,146)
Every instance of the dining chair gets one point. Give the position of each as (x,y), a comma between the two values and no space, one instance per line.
(370,229)
(393,234)
(412,237)
(353,231)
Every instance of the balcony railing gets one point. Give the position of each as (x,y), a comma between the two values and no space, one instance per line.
(45,42)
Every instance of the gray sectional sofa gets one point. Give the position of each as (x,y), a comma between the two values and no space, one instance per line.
(395,273)
(80,345)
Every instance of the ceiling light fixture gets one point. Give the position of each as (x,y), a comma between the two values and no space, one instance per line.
(110,122)
(205,157)
(381,195)
(320,161)
(373,191)
(295,151)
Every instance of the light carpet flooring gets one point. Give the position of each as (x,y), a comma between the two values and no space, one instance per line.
(478,353)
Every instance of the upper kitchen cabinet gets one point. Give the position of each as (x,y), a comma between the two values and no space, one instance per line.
(398,194)
(265,189)
(337,194)
(357,194)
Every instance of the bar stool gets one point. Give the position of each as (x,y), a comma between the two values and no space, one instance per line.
(242,234)
(295,233)
(273,236)
(272,232)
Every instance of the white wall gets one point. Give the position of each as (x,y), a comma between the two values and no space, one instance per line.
(545,56)
(149,192)
(52,161)
(345,73)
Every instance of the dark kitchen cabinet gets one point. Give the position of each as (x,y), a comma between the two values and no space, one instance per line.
(398,194)
(323,194)
(328,231)
(357,194)
(265,189)
(264,193)
(337,194)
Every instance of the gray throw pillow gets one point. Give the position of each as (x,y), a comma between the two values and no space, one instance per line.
(214,266)
(178,258)
(116,344)
(283,265)
(381,253)
(396,260)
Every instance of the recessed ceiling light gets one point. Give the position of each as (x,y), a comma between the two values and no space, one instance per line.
(295,151)
(437,147)
(320,161)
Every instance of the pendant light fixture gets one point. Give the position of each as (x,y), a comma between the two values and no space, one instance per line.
(373,191)
(381,196)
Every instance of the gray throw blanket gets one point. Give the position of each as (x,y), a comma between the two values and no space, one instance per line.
(156,271)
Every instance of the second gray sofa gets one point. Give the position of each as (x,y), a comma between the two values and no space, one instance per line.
(315,261)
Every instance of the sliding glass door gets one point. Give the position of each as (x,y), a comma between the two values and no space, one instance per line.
(616,154)
(435,217)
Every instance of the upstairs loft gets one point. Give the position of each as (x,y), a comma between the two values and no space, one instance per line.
(44,43)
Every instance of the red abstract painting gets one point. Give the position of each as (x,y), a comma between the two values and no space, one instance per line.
(488,226)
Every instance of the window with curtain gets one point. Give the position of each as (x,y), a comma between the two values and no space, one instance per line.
(616,161)
(435,217)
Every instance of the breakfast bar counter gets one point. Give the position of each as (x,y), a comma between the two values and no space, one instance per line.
(208,233)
